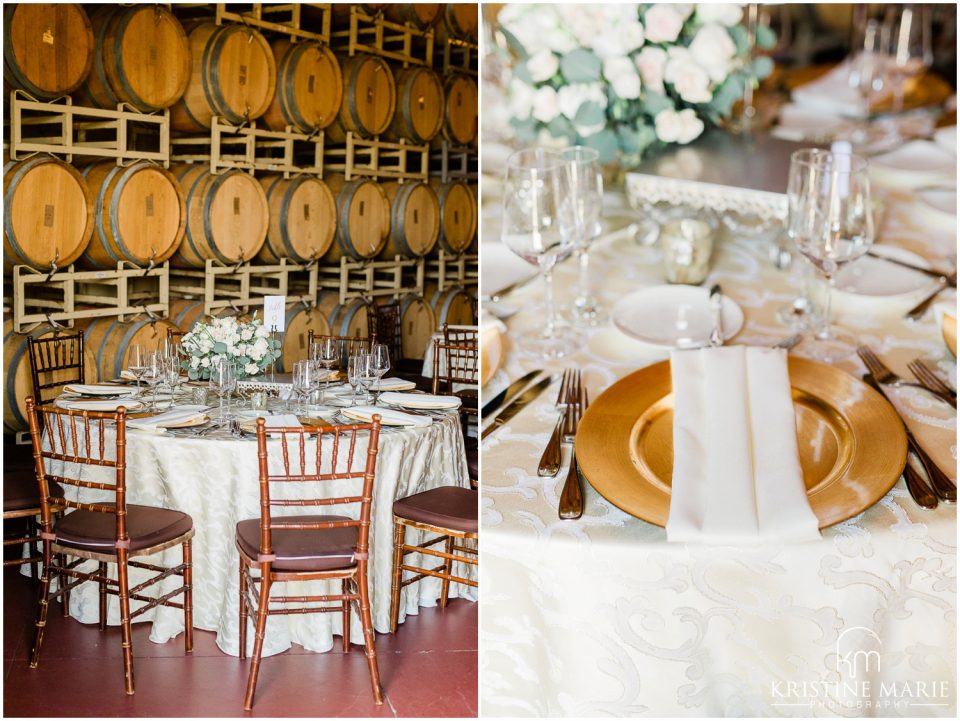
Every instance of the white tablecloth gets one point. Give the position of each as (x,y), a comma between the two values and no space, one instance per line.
(601,616)
(217,483)
(428,354)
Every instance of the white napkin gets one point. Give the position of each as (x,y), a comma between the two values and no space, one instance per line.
(736,469)
(282,420)
(176,416)
(92,404)
(388,416)
(420,400)
(831,93)
(98,389)
(393,384)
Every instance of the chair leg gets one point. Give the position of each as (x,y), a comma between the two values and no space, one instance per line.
(368,638)
(345,589)
(43,604)
(399,531)
(447,568)
(258,638)
(63,580)
(103,596)
(188,595)
(243,610)
(125,620)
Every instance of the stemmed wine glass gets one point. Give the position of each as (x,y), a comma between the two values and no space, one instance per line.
(868,74)
(911,47)
(355,370)
(324,354)
(534,188)
(368,374)
(223,381)
(380,364)
(136,363)
(831,221)
(171,374)
(154,374)
(304,378)
(582,204)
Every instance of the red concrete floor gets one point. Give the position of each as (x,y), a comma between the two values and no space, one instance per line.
(428,668)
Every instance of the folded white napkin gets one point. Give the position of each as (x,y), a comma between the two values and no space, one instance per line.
(831,93)
(388,416)
(393,384)
(174,417)
(93,404)
(736,469)
(282,420)
(99,389)
(420,400)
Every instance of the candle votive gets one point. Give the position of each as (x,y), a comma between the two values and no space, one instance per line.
(198,395)
(258,400)
(687,244)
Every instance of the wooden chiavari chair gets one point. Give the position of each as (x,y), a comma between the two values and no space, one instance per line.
(174,337)
(383,324)
(104,531)
(309,547)
(349,345)
(460,336)
(454,365)
(21,500)
(54,363)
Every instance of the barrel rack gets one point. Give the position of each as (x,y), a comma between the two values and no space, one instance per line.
(376,35)
(460,55)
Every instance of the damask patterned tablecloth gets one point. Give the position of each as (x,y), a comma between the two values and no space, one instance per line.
(217,483)
(601,616)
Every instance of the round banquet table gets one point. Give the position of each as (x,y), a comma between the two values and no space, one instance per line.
(216,481)
(603,617)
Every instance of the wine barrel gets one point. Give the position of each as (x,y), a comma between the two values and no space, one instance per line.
(452,306)
(47,213)
(309,87)
(414,219)
(458,213)
(300,319)
(47,48)
(369,98)
(303,218)
(139,214)
(141,57)
(420,15)
(460,20)
(420,107)
(341,11)
(460,109)
(363,218)
(233,75)
(227,216)
(417,324)
(107,341)
(348,319)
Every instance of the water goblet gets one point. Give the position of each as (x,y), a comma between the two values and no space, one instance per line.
(583,204)
(153,374)
(223,380)
(136,363)
(380,359)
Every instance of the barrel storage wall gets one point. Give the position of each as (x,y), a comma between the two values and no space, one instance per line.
(328,156)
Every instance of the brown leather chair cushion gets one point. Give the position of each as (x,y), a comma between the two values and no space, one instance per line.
(447,506)
(325,549)
(473,457)
(21,490)
(147,526)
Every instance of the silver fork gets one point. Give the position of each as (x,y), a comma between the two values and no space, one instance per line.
(932,382)
(885,376)
(571,497)
(947,281)
(550,460)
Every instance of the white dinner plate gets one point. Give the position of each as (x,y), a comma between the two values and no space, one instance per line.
(878,278)
(103,405)
(424,401)
(98,389)
(919,162)
(676,316)
(946,138)
(943,200)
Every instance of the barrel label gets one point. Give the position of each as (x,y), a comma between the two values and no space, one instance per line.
(310,81)
(47,216)
(152,55)
(48,36)
(236,206)
(149,204)
(306,211)
(243,74)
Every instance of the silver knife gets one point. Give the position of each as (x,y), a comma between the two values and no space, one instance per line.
(516,405)
(716,305)
(508,394)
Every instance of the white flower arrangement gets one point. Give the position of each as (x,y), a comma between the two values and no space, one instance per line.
(625,78)
(248,345)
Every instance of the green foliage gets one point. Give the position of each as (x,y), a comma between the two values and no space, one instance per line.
(605,143)
(219,347)
(762,67)
(727,94)
(589,113)
(653,103)
(741,39)
(766,37)
(580,66)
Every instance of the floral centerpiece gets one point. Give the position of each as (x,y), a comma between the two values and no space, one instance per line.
(626,78)
(248,345)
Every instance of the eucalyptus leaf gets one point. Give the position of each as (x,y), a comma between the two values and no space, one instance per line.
(219,347)
(589,113)
(653,103)
(766,37)
(762,67)
(514,44)
(580,66)
(727,94)
(526,129)
(740,37)
(605,143)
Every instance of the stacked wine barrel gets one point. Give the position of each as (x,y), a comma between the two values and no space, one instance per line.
(95,213)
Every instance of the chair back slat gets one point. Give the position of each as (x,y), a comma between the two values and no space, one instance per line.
(460,336)
(54,363)
(454,363)
(316,436)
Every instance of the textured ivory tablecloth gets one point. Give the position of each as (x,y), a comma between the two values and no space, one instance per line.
(217,483)
(601,616)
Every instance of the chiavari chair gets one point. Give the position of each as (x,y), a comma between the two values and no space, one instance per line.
(309,547)
(105,531)
(383,324)
(174,337)
(21,500)
(458,365)
(459,335)
(54,363)
(349,345)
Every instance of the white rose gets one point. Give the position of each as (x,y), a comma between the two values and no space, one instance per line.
(690,80)
(543,66)
(195,361)
(521,99)
(545,104)
(205,362)
(663,23)
(545,139)
(262,332)
(631,35)
(622,74)
(723,13)
(251,369)
(247,334)
(571,97)
(674,127)
(650,63)
(713,49)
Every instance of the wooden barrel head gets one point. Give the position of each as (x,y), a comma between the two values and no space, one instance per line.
(420,15)
(460,119)
(184,313)
(417,324)
(420,105)
(363,218)
(303,218)
(458,210)
(414,219)
(299,321)
(47,47)
(460,19)
(107,343)
(370,95)
(309,87)
(452,306)
(47,213)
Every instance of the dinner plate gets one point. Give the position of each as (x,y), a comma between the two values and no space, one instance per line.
(102,405)
(880,278)
(946,138)
(491,353)
(99,389)
(676,316)
(412,402)
(852,443)
(943,200)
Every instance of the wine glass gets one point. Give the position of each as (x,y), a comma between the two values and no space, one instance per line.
(868,73)
(380,364)
(831,221)
(582,205)
(171,373)
(304,376)
(136,363)
(355,371)
(911,47)
(153,374)
(368,374)
(223,380)
(324,354)
(534,186)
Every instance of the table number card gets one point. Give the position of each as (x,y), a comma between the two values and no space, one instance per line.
(274,315)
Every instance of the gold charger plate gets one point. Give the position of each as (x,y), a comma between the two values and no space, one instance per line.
(852,443)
